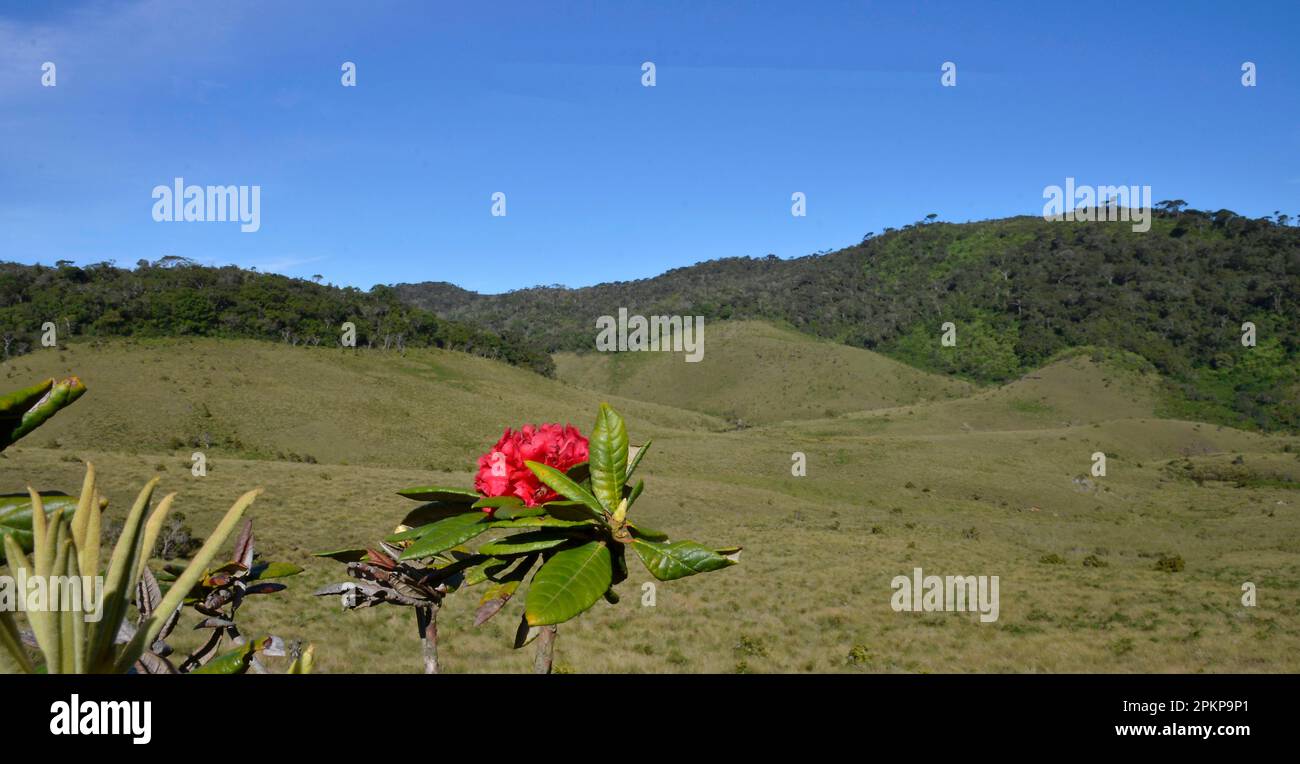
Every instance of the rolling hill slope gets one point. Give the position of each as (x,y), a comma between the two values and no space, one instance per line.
(756,373)
(1018,290)
(423,408)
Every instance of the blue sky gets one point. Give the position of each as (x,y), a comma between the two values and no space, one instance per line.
(605,179)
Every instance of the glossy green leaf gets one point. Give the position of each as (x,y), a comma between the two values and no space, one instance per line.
(541,522)
(561,484)
(496,502)
(566,510)
(234,661)
(607,455)
(13,405)
(678,559)
(480,572)
(618,564)
(440,493)
(426,514)
(342,555)
(636,457)
(410,534)
(649,534)
(514,513)
(579,473)
(568,583)
(522,543)
(445,534)
(267,570)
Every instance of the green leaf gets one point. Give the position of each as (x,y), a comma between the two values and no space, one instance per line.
(14,405)
(568,583)
(13,655)
(525,634)
(25,410)
(234,661)
(440,493)
(522,543)
(499,594)
(445,534)
(494,599)
(153,626)
(484,570)
(678,559)
(579,473)
(561,484)
(649,534)
(636,458)
(618,565)
(265,570)
(410,534)
(303,663)
(514,513)
(566,510)
(607,454)
(541,522)
(495,502)
(434,511)
(16,515)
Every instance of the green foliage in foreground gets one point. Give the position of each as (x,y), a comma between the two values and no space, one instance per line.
(24,410)
(572,551)
(578,544)
(67,544)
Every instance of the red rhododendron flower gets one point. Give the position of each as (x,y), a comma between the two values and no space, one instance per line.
(502,472)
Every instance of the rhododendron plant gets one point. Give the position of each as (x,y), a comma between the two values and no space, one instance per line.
(504,471)
(561,506)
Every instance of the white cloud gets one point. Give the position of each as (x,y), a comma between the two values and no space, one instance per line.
(122,43)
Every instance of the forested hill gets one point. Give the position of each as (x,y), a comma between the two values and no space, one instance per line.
(1018,290)
(174,297)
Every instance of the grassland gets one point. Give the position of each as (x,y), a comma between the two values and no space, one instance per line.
(755,373)
(904,470)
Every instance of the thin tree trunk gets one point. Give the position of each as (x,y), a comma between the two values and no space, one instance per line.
(545,650)
(426,620)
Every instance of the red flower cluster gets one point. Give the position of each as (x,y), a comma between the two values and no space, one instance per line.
(502,472)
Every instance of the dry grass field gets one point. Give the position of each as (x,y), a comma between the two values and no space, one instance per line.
(904,470)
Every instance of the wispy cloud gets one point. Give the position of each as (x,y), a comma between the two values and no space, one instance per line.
(124,42)
(289,265)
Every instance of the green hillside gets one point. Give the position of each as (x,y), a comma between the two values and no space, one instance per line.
(423,408)
(1018,291)
(993,483)
(757,373)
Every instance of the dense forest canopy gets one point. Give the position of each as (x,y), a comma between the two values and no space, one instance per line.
(174,297)
(1019,291)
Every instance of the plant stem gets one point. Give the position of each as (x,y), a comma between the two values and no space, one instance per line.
(545,650)
(426,620)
